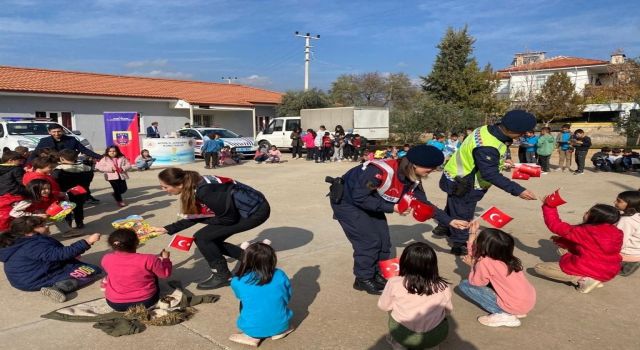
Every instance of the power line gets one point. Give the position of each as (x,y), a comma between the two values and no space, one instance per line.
(307,55)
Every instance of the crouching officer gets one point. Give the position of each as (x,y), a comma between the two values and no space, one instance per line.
(475,167)
(368,192)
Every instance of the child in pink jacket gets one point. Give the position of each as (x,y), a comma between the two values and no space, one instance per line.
(274,155)
(496,281)
(132,278)
(309,143)
(115,165)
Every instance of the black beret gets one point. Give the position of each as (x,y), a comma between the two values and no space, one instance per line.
(518,120)
(425,156)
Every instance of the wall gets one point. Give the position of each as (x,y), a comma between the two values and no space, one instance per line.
(88,113)
(236,121)
(525,81)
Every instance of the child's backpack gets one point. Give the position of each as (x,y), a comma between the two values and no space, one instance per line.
(246,199)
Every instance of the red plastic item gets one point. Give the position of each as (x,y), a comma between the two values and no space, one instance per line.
(389,268)
(404,203)
(496,217)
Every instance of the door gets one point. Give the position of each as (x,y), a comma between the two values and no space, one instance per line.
(67,120)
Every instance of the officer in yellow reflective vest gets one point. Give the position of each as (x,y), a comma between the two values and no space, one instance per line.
(475,167)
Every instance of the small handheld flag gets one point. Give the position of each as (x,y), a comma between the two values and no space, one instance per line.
(496,218)
(181,243)
(554,199)
(389,268)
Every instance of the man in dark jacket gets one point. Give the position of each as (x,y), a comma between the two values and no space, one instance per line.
(58,141)
(152,131)
(477,166)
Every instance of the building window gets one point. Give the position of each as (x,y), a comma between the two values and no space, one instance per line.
(41,115)
(540,80)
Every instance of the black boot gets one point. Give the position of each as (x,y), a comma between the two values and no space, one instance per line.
(459,249)
(220,276)
(58,292)
(380,281)
(441,231)
(368,285)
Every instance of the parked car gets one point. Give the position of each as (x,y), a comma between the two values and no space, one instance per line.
(27,132)
(242,145)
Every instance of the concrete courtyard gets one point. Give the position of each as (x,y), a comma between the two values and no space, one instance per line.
(315,254)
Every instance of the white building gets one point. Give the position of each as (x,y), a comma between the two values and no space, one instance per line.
(78,100)
(529,72)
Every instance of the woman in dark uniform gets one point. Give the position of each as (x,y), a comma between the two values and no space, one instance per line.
(225,206)
(373,189)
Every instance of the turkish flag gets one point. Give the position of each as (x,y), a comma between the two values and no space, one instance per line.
(181,243)
(519,176)
(531,170)
(496,217)
(554,199)
(422,211)
(389,268)
(77,190)
(405,203)
(54,209)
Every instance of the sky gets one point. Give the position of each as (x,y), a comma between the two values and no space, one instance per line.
(254,41)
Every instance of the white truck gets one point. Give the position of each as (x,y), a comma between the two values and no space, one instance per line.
(370,122)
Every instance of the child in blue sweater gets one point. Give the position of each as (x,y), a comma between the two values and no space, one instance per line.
(264,292)
(34,261)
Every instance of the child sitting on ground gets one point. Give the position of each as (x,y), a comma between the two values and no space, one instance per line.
(144,160)
(274,155)
(628,203)
(264,292)
(41,168)
(418,301)
(496,281)
(70,174)
(600,159)
(34,261)
(261,155)
(590,251)
(132,278)
(11,173)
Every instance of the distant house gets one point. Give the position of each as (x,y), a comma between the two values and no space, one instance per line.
(529,71)
(78,100)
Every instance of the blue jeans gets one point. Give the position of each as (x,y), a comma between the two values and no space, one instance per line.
(485,297)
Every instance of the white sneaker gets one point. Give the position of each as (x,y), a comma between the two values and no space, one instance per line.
(587,284)
(544,173)
(499,320)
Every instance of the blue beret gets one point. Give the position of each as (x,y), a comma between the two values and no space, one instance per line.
(518,120)
(425,156)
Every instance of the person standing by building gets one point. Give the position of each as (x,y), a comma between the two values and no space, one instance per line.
(153,132)
(564,147)
(475,167)
(581,143)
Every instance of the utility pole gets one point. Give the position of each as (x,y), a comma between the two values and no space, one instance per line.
(307,54)
(229,79)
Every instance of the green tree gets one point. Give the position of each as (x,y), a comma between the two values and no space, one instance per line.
(558,99)
(394,90)
(455,76)
(294,101)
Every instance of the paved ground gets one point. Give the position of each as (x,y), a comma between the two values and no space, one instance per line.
(313,251)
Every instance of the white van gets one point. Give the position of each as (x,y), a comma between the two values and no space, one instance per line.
(278,132)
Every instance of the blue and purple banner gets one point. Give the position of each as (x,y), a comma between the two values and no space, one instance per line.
(121,129)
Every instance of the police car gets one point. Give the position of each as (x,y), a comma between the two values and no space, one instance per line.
(243,145)
(27,132)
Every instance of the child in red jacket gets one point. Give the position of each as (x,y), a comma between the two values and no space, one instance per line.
(590,251)
(42,167)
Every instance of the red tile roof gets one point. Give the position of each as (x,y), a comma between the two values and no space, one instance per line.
(555,63)
(34,80)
